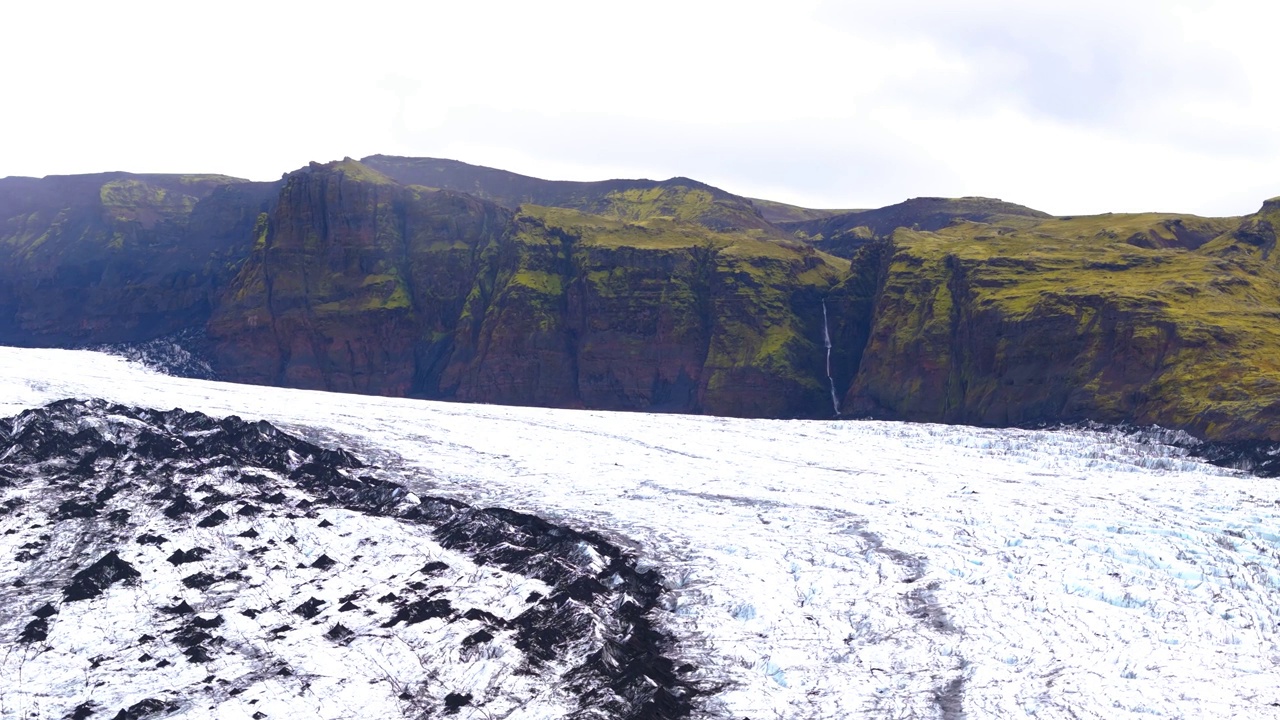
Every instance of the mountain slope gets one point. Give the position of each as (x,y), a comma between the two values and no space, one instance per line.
(358,283)
(845,233)
(118,257)
(778,213)
(631,200)
(669,296)
(1007,327)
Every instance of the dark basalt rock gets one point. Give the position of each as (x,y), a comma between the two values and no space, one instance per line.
(434,568)
(182,505)
(339,632)
(420,610)
(199,581)
(181,608)
(309,609)
(1259,458)
(36,631)
(180,557)
(76,509)
(93,580)
(172,271)
(145,708)
(324,562)
(476,638)
(191,636)
(456,701)
(216,518)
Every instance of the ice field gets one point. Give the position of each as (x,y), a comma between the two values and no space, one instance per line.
(826,569)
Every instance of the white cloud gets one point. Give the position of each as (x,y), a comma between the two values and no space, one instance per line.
(1074,107)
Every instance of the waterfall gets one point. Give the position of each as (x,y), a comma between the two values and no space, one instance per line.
(826,342)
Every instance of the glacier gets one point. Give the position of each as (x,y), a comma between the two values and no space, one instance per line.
(819,569)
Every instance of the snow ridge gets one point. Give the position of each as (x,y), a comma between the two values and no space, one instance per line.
(170,563)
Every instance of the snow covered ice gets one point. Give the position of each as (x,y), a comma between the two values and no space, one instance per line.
(823,569)
(300,582)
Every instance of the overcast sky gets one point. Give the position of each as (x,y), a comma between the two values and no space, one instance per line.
(1070,107)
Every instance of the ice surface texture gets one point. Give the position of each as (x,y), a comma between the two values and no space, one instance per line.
(811,569)
(169,562)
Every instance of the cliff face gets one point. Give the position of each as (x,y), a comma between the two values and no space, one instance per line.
(665,296)
(322,301)
(978,327)
(115,257)
(605,314)
(356,283)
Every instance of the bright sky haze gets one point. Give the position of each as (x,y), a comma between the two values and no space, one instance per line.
(1070,107)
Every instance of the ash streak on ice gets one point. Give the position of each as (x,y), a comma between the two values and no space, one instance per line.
(842,569)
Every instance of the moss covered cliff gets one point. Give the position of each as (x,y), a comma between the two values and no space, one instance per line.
(434,279)
(359,283)
(1058,322)
(115,257)
(658,315)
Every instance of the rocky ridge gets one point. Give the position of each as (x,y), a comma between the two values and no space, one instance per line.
(172,562)
(998,325)
(436,279)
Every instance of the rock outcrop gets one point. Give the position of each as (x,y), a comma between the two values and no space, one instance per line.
(435,279)
(118,257)
(357,283)
(973,326)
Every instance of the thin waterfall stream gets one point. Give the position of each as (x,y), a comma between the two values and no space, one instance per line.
(826,342)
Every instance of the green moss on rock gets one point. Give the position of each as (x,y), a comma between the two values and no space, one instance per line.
(1017,327)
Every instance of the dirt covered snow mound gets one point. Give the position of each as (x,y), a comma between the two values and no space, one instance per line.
(175,564)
